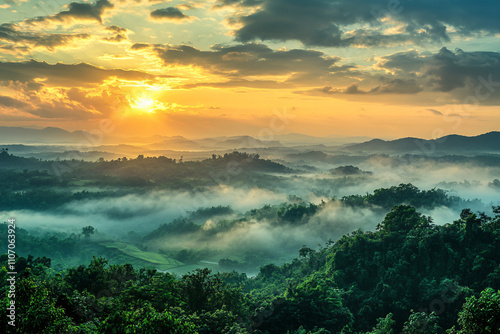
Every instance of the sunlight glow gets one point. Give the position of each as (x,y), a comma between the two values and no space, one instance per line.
(145,104)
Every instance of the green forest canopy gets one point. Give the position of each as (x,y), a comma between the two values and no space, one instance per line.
(409,276)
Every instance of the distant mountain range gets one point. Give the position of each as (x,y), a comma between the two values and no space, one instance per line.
(52,136)
(49,135)
(236,142)
(297,139)
(488,142)
(453,144)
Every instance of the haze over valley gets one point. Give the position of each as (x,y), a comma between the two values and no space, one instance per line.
(249,166)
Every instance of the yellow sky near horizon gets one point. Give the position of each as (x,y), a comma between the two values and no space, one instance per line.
(212,68)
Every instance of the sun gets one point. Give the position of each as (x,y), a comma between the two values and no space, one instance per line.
(146,104)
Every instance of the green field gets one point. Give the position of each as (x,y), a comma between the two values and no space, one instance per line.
(133,255)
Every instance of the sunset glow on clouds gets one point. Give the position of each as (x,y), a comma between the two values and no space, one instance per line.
(223,67)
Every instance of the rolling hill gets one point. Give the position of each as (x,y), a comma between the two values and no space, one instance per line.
(485,143)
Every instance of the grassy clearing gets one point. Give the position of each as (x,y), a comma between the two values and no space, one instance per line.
(135,256)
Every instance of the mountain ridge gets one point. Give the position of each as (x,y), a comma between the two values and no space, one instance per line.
(486,142)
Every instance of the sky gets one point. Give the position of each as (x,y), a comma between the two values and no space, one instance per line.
(377,68)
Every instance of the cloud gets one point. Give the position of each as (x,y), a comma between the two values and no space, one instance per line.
(402,62)
(62,111)
(240,83)
(59,103)
(457,74)
(444,76)
(242,60)
(10,102)
(352,89)
(118,38)
(394,86)
(65,75)
(463,77)
(139,46)
(120,34)
(450,70)
(116,29)
(169,13)
(238,3)
(14,50)
(328,23)
(398,86)
(15,2)
(435,112)
(78,11)
(186,6)
(27,34)
(62,91)
(12,33)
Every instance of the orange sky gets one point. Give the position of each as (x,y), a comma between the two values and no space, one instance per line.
(212,68)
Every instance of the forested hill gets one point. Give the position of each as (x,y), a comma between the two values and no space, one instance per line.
(141,164)
(409,276)
(147,171)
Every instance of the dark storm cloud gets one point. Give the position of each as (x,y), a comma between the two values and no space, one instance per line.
(247,59)
(170,13)
(78,11)
(325,22)
(11,33)
(64,75)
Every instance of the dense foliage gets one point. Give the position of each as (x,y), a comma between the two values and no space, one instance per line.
(409,276)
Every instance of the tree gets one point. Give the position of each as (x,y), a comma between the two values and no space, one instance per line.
(421,323)
(305,251)
(384,325)
(87,231)
(206,292)
(36,310)
(144,320)
(480,315)
(403,218)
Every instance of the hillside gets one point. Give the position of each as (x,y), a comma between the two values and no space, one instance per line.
(484,143)
(409,276)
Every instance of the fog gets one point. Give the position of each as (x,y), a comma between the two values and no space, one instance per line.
(239,236)
(466,180)
(330,223)
(142,212)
